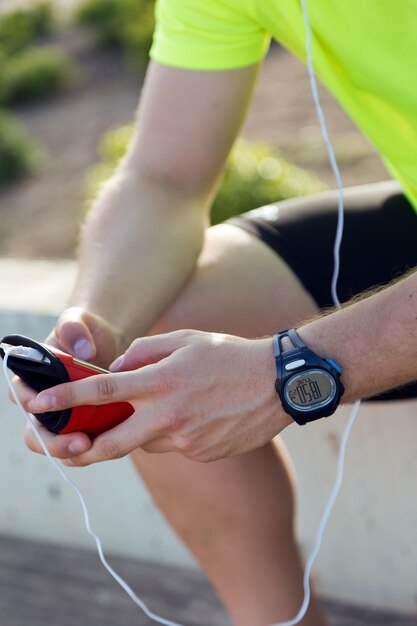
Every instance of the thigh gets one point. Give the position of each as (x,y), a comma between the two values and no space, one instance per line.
(271,268)
(240,287)
(378,245)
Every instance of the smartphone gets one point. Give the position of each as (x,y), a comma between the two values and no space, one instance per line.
(42,367)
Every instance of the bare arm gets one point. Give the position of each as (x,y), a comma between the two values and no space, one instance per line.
(145,231)
(374,340)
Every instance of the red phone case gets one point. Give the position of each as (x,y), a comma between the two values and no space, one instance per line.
(91,419)
(63,368)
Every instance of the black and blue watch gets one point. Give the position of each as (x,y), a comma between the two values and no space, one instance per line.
(308,385)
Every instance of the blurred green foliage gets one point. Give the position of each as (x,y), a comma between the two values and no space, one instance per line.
(26,72)
(129,23)
(21,27)
(34,74)
(19,154)
(255,175)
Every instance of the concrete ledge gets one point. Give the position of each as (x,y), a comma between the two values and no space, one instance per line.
(369,555)
(35,286)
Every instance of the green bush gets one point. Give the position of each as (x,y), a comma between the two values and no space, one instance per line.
(255,175)
(129,23)
(34,74)
(20,27)
(105,16)
(19,154)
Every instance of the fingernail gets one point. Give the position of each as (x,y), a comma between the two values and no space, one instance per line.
(32,405)
(117,363)
(77,446)
(68,462)
(83,349)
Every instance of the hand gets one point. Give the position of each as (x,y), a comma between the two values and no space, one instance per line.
(87,337)
(205,395)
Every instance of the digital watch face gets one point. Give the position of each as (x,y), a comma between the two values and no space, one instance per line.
(310,390)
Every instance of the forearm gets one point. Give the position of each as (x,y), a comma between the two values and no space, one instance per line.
(145,232)
(374,340)
(139,246)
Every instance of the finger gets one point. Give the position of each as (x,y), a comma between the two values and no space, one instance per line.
(59,446)
(23,391)
(74,336)
(148,350)
(101,389)
(116,443)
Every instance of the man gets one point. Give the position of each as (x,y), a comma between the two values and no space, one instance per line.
(149,266)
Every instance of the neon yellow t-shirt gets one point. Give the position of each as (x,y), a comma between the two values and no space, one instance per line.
(365,51)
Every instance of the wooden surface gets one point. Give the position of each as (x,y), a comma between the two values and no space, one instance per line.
(50,585)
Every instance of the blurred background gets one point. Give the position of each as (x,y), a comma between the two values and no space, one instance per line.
(70,79)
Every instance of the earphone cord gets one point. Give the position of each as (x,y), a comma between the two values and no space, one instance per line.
(336,255)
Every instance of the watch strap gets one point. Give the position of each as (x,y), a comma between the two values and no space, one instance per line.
(295,339)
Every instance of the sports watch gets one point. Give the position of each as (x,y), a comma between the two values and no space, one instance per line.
(308,385)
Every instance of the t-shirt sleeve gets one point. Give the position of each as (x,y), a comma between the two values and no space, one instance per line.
(207,35)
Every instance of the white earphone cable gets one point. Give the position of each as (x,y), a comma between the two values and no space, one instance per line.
(71,483)
(336,255)
(330,150)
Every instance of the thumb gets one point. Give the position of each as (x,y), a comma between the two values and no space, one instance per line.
(73,336)
(148,350)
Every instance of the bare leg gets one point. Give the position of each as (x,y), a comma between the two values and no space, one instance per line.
(236,515)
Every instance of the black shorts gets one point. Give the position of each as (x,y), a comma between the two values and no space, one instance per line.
(379,242)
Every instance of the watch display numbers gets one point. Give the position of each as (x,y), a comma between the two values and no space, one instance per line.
(307,392)
(310,390)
